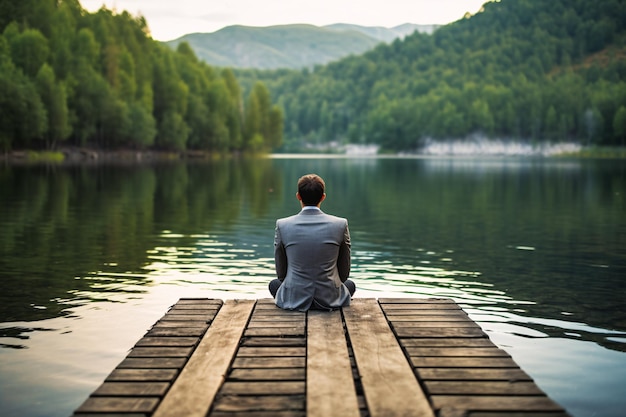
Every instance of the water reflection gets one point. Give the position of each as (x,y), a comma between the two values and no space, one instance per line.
(532,249)
(211,263)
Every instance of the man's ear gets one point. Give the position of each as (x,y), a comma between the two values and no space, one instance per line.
(298,196)
(323,197)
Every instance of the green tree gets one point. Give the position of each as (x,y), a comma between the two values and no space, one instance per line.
(619,125)
(88,94)
(54,99)
(551,123)
(22,114)
(480,117)
(252,122)
(30,51)
(98,79)
(170,102)
(63,28)
(275,128)
(173,132)
(233,109)
(85,48)
(144,128)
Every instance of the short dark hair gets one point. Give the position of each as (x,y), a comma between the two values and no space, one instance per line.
(311,188)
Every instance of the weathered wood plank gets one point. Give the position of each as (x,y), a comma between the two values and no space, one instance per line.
(183,316)
(263,305)
(146,375)
(421,306)
(278,331)
(263,315)
(276,324)
(389,384)
(473,342)
(167,342)
(469,374)
(247,404)
(275,374)
(330,384)
(428,301)
(267,300)
(436,325)
(177,331)
(192,311)
(488,352)
(194,390)
(440,332)
(186,324)
(274,311)
(256,388)
(482,388)
(294,362)
(132,389)
(115,414)
(152,363)
(430,318)
(117,404)
(454,362)
(161,352)
(274,413)
(510,414)
(281,351)
(495,403)
(274,341)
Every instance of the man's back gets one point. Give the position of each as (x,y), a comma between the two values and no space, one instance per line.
(312,254)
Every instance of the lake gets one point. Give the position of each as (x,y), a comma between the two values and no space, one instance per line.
(534,249)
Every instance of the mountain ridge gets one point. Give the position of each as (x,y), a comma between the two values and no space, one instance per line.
(291,46)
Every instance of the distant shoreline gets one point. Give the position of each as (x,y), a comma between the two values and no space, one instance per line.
(69,156)
(94,156)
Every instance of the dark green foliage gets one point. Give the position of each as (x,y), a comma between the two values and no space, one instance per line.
(522,69)
(98,79)
(22,113)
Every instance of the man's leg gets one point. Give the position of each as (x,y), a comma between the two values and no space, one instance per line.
(273,286)
(351,286)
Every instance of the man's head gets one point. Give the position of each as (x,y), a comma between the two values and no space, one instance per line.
(311,190)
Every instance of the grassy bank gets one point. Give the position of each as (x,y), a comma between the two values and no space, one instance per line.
(602,152)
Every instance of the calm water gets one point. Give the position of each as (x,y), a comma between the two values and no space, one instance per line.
(534,250)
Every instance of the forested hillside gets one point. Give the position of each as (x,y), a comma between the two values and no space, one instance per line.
(69,77)
(532,70)
(285,46)
(289,46)
(384,34)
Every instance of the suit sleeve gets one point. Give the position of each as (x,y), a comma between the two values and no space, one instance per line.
(343,260)
(280,257)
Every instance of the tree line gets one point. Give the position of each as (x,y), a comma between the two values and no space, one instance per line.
(69,77)
(533,70)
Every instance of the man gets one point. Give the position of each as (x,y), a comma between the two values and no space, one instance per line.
(312,254)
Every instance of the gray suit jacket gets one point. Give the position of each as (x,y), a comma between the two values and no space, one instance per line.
(312,255)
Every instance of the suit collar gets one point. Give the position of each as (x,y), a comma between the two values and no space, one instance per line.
(310,210)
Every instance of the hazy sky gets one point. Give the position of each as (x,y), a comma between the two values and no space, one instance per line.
(170,19)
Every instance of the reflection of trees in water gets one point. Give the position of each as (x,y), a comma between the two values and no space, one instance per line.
(489,212)
(64,223)
(548,233)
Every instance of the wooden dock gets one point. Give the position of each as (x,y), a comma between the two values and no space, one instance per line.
(379,358)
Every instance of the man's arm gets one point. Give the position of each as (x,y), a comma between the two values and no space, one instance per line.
(344,258)
(280,257)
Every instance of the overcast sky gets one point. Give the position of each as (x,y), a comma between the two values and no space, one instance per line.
(170,19)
